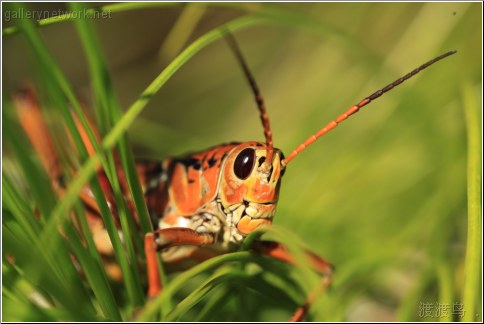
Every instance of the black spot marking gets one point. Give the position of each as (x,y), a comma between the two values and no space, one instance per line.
(190,162)
(211,162)
(191,181)
(262,160)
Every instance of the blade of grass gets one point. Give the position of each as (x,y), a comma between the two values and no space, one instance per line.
(181,31)
(95,275)
(223,275)
(13,201)
(305,274)
(446,295)
(278,278)
(219,297)
(34,176)
(154,305)
(474,226)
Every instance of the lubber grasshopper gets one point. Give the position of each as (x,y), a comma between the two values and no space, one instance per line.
(205,203)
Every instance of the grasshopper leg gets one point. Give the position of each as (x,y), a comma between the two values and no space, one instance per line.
(166,238)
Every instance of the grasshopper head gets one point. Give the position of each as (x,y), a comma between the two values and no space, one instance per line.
(250,185)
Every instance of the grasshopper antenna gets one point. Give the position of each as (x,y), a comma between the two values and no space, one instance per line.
(354,109)
(264,117)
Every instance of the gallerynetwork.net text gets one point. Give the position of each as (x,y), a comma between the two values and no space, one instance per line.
(22,13)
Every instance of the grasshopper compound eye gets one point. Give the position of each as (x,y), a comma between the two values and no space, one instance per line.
(244,163)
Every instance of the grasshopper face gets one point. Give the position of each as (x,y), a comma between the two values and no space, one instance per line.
(249,186)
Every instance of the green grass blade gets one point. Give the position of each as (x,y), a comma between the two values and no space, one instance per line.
(446,294)
(35,177)
(12,200)
(154,305)
(181,31)
(473,270)
(219,297)
(205,288)
(95,275)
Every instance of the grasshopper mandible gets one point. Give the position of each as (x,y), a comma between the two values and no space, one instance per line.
(206,203)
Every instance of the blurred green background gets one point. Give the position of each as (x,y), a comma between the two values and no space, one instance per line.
(383,197)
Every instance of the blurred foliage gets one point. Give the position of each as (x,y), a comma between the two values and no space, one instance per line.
(383,197)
